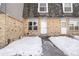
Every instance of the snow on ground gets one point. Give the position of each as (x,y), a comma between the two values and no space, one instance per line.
(25,47)
(67,45)
(77,37)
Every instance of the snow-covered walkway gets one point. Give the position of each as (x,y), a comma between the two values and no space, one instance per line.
(67,45)
(27,46)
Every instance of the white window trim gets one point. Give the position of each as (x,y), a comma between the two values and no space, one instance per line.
(33,24)
(66,11)
(33,20)
(43,11)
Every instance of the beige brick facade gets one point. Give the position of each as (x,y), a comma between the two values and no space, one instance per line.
(53,26)
(10,29)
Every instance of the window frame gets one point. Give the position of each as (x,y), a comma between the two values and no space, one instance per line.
(71,27)
(44,7)
(78,25)
(29,26)
(75,27)
(68,6)
(33,25)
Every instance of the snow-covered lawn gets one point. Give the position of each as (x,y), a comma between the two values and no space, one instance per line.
(25,47)
(67,45)
(77,37)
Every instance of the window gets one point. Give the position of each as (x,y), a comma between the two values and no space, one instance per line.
(30,23)
(71,26)
(35,27)
(42,7)
(74,27)
(67,7)
(78,25)
(32,26)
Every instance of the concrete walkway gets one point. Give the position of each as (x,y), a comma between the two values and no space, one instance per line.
(50,50)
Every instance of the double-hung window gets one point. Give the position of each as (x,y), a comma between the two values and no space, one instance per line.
(71,26)
(77,27)
(43,7)
(67,8)
(74,27)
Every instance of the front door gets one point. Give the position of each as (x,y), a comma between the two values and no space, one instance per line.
(63,26)
(43,25)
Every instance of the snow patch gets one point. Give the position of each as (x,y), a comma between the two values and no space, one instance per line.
(26,46)
(68,45)
(77,37)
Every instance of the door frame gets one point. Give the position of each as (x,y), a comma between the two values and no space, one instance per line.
(63,26)
(43,25)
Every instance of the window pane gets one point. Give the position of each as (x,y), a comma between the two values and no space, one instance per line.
(30,27)
(34,23)
(30,23)
(42,4)
(35,27)
(67,9)
(71,26)
(42,8)
(76,27)
(67,5)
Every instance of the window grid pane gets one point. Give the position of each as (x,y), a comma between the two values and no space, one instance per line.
(42,8)
(67,8)
(32,26)
(42,4)
(71,27)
